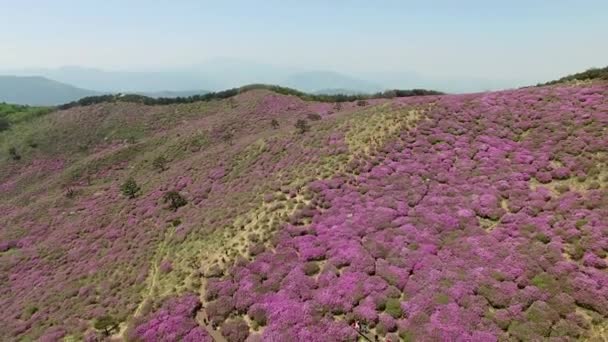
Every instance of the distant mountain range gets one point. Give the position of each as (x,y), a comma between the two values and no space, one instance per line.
(65,84)
(41,91)
(36,90)
(320,81)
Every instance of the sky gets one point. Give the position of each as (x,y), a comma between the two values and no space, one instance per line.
(491,39)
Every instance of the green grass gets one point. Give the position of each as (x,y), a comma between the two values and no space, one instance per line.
(16,124)
(15,114)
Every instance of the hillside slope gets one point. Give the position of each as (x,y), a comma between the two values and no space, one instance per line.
(593,74)
(458,217)
(40,91)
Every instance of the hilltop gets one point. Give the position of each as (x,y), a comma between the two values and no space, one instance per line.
(592,74)
(261,213)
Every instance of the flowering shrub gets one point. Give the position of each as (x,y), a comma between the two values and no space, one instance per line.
(455,236)
(174,321)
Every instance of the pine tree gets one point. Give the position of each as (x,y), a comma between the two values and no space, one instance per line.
(130,188)
(106,324)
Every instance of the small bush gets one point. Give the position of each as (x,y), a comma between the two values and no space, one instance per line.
(4,124)
(29,311)
(393,307)
(175,200)
(362,103)
(130,188)
(274,123)
(69,192)
(311,268)
(542,237)
(577,251)
(235,330)
(228,137)
(12,151)
(106,324)
(160,163)
(258,315)
(314,117)
(442,299)
(302,126)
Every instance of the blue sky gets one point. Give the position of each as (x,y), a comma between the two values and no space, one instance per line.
(493,39)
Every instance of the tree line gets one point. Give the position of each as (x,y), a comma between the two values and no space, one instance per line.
(224,94)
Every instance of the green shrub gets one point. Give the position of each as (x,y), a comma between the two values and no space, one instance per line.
(227,137)
(381,329)
(12,151)
(577,252)
(302,126)
(406,335)
(160,163)
(69,192)
(106,324)
(175,200)
(311,268)
(274,123)
(130,188)
(258,315)
(314,117)
(442,299)
(380,303)
(29,311)
(543,280)
(393,307)
(4,124)
(542,237)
